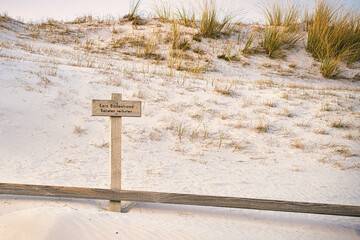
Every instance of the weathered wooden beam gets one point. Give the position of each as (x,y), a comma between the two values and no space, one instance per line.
(176,198)
(115,154)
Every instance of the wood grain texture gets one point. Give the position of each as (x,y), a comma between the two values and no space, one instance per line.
(116,108)
(176,198)
(115,155)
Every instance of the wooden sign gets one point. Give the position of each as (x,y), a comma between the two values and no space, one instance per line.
(116,108)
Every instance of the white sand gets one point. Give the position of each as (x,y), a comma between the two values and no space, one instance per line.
(300,158)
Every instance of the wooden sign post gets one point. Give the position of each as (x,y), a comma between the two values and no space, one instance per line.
(115,108)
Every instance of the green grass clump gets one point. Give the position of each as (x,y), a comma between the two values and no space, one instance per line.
(333,36)
(281,29)
(210,25)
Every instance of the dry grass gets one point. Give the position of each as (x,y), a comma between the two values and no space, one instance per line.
(224,89)
(340,124)
(177,42)
(281,29)
(133,11)
(249,41)
(180,131)
(147,51)
(326,107)
(298,143)
(321,131)
(333,36)
(270,104)
(175,60)
(186,16)
(79,130)
(162,10)
(210,24)
(228,54)
(102,145)
(262,127)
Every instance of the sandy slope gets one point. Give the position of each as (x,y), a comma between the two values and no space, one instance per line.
(199,133)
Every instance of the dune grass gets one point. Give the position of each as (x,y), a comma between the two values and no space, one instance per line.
(333,36)
(249,41)
(281,29)
(186,16)
(210,25)
(162,10)
(133,11)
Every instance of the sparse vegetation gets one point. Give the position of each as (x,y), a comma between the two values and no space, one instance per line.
(210,25)
(186,16)
(146,51)
(293,106)
(133,11)
(175,59)
(175,35)
(249,41)
(162,10)
(339,124)
(281,29)
(79,130)
(262,127)
(298,143)
(333,36)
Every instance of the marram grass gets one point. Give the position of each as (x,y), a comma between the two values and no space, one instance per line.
(333,36)
(210,25)
(281,29)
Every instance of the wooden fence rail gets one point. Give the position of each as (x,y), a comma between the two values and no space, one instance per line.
(176,198)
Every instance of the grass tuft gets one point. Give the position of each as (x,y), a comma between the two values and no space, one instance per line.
(249,41)
(210,25)
(281,29)
(133,11)
(162,11)
(333,36)
(186,17)
(262,127)
(339,124)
